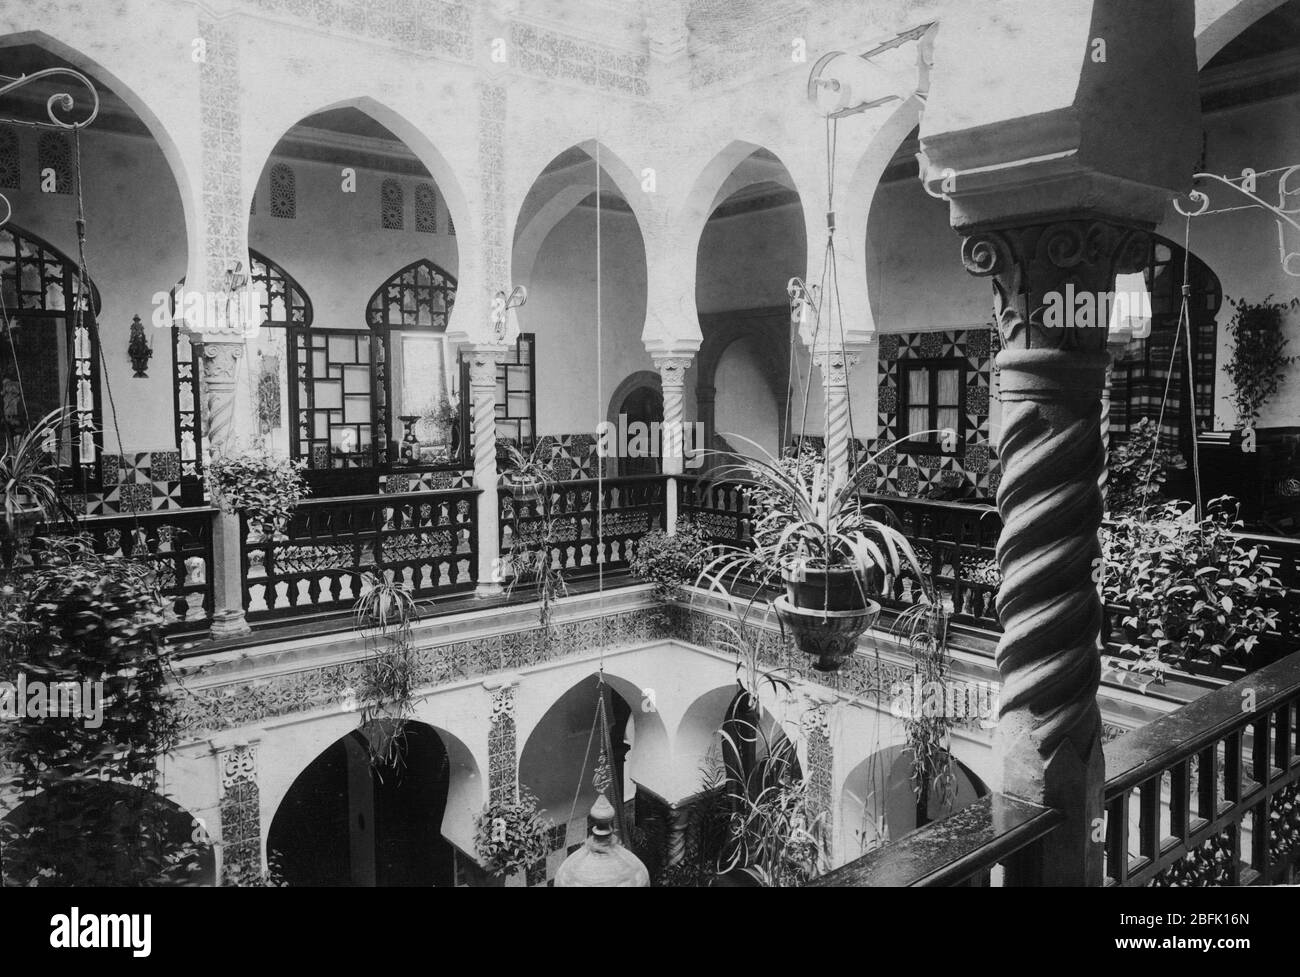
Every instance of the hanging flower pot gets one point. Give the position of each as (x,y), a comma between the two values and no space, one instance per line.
(825,612)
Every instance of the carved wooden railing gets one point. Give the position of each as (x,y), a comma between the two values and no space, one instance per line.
(176,545)
(955,544)
(629,508)
(1206,795)
(959,850)
(318,560)
(1210,794)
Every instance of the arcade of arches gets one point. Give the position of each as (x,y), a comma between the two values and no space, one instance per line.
(654,197)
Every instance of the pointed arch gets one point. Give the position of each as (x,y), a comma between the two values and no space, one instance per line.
(418,296)
(52,356)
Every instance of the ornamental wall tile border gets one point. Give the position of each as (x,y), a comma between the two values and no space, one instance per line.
(867,678)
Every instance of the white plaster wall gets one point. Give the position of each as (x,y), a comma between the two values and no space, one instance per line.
(561,311)
(745,403)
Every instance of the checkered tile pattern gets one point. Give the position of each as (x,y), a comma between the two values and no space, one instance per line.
(902,473)
(144,481)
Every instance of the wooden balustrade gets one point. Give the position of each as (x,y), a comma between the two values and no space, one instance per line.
(585,537)
(176,545)
(1210,794)
(318,560)
(959,850)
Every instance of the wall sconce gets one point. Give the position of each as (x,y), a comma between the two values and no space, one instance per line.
(804,310)
(505,324)
(138,348)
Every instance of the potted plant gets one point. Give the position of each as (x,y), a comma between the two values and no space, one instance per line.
(386,609)
(814,536)
(536,529)
(30,477)
(1188,593)
(261,486)
(670,561)
(512,836)
(87,774)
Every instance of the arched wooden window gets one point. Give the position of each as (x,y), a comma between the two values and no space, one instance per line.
(54,158)
(421,414)
(10,159)
(285,307)
(391,205)
(426,208)
(284,192)
(48,359)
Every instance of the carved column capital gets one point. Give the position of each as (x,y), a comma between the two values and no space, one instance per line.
(220,360)
(835,364)
(1043,274)
(483,362)
(672,367)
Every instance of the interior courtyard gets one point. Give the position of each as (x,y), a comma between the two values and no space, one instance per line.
(500,291)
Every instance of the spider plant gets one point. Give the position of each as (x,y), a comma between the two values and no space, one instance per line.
(924,626)
(386,609)
(808,517)
(29,475)
(774,838)
(530,553)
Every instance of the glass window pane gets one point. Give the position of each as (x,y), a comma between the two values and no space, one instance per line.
(949,396)
(917,421)
(918,387)
(947,419)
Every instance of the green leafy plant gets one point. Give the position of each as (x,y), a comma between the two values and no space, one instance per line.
(924,627)
(94,620)
(511,836)
(1190,593)
(258,484)
(1138,469)
(386,610)
(773,836)
(29,473)
(1257,365)
(530,558)
(807,517)
(670,561)
(442,414)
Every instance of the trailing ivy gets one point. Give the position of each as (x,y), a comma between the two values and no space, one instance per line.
(1257,366)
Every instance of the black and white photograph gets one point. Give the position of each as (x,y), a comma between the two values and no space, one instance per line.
(650,444)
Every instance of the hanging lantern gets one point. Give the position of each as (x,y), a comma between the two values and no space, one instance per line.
(602,861)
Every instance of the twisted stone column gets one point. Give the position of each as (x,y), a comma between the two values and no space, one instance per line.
(672,369)
(483,362)
(220,385)
(672,377)
(220,379)
(835,365)
(1052,377)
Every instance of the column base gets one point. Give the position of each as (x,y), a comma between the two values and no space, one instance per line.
(228,624)
(489,590)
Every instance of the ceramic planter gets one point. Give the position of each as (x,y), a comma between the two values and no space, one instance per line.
(825,612)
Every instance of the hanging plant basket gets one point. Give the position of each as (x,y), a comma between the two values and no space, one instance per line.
(825,612)
(21,523)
